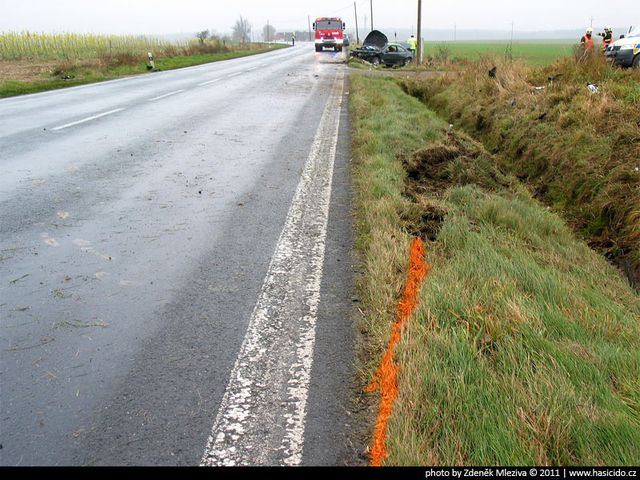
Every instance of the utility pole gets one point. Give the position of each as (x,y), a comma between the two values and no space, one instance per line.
(355,11)
(371,3)
(455,32)
(511,43)
(268,32)
(419,50)
(366,25)
(309,20)
(592,19)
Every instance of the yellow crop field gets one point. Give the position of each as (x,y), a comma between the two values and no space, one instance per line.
(73,46)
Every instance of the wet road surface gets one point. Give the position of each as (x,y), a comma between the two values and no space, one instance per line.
(147,227)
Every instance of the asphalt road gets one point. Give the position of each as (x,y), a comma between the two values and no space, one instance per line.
(175,269)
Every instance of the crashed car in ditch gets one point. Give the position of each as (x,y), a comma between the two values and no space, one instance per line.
(377,50)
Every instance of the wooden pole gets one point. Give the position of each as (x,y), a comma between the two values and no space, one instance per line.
(419,50)
(355,8)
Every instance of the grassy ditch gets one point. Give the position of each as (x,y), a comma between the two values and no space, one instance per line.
(16,79)
(525,345)
(577,151)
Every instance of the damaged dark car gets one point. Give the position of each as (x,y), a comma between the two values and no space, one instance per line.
(377,50)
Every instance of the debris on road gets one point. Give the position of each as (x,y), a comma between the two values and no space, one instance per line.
(593,88)
(18,279)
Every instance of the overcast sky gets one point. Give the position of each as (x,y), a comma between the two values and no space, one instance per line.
(162,16)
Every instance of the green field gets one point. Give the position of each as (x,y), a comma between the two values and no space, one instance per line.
(535,52)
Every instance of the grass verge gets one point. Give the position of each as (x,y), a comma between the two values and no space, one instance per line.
(525,345)
(577,151)
(91,71)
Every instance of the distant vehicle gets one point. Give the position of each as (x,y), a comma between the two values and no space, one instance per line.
(626,51)
(377,50)
(329,33)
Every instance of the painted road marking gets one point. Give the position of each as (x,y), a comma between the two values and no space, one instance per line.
(261,420)
(165,95)
(252,69)
(234,74)
(209,82)
(88,119)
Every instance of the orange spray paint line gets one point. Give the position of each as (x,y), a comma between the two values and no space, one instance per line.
(386,379)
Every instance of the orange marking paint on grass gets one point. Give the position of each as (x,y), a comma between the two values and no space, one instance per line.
(387,375)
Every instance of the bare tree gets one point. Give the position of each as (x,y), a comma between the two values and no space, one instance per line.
(268,32)
(202,36)
(242,30)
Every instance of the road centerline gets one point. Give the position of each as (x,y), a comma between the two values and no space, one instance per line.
(261,420)
(88,119)
(166,95)
(209,82)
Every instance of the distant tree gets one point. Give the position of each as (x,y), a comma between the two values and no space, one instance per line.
(203,35)
(268,33)
(242,30)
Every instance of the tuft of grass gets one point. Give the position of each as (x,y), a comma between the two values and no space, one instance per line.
(525,348)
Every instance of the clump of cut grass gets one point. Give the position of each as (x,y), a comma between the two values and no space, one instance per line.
(576,151)
(525,348)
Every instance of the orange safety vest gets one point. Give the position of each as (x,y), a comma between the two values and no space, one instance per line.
(587,42)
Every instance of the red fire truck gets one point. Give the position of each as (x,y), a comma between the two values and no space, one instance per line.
(329,33)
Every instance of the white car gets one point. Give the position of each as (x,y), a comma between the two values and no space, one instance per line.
(626,51)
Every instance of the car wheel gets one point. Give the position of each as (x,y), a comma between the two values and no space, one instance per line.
(636,61)
(375,60)
(407,61)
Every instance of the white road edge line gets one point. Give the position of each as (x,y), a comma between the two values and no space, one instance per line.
(234,74)
(88,119)
(165,95)
(209,82)
(252,69)
(261,420)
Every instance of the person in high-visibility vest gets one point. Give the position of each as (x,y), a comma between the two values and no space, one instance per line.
(607,37)
(413,44)
(587,41)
